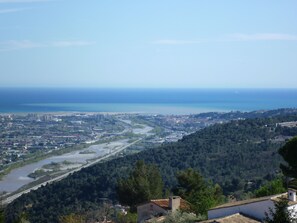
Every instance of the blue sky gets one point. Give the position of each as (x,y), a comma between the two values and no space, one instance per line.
(148,43)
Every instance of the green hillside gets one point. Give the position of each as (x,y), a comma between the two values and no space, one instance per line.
(239,155)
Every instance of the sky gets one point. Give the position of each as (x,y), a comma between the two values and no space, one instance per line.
(148,43)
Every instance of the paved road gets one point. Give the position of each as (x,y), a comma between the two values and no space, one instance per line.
(15,196)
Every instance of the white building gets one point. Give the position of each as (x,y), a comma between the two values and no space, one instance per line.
(253,208)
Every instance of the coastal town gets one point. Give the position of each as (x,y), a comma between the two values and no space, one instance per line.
(39,148)
(22,136)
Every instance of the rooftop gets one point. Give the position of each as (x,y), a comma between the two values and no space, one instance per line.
(285,195)
(235,218)
(293,184)
(164,203)
(253,200)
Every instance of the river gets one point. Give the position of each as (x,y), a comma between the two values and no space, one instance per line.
(19,177)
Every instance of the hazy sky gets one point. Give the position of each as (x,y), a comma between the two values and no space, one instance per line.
(148,43)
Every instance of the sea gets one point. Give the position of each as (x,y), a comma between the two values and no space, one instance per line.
(152,101)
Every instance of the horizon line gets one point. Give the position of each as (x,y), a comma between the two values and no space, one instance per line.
(146,88)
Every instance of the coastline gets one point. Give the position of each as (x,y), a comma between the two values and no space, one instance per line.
(68,113)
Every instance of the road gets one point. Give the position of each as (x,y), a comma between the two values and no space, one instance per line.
(9,199)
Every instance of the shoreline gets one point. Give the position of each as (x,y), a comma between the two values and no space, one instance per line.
(137,108)
(68,113)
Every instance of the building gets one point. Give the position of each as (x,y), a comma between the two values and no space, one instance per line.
(253,208)
(235,218)
(161,207)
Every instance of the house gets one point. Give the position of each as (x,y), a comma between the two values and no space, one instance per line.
(160,207)
(253,208)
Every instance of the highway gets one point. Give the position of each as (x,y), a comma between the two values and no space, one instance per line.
(9,199)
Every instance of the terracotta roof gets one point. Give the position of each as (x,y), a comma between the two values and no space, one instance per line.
(253,200)
(235,218)
(164,203)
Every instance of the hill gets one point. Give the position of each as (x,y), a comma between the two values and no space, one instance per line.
(239,155)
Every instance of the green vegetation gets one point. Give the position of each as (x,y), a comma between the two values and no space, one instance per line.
(138,126)
(276,186)
(22,163)
(158,131)
(50,169)
(97,214)
(280,214)
(289,153)
(2,215)
(240,156)
(143,184)
(52,165)
(38,173)
(200,194)
(72,218)
(128,218)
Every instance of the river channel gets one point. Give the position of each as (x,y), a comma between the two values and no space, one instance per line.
(19,176)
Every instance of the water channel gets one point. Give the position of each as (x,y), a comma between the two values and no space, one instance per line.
(19,176)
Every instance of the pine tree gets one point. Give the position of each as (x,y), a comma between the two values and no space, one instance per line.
(143,184)
(289,153)
(201,194)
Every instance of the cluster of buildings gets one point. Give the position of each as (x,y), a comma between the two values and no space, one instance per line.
(175,127)
(246,211)
(188,123)
(21,135)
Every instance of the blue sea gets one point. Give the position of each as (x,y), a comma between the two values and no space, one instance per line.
(153,101)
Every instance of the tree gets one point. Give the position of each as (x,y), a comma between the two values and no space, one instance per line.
(280,214)
(289,153)
(72,218)
(202,195)
(128,218)
(2,213)
(2,220)
(273,187)
(143,184)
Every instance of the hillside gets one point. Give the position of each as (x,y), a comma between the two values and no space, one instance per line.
(238,155)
